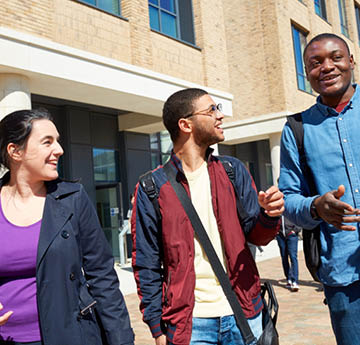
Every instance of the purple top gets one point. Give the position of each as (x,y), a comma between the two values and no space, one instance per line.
(18,249)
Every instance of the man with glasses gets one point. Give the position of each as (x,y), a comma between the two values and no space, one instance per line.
(181,299)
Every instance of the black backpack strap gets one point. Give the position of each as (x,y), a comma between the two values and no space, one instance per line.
(149,186)
(296,125)
(242,214)
(311,238)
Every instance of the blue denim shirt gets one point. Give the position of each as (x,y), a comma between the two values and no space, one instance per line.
(332,149)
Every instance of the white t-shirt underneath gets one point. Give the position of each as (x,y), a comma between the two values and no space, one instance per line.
(210,300)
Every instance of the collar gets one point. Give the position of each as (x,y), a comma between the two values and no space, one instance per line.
(177,162)
(325,110)
(56,188)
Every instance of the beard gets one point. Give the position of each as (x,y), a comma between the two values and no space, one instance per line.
(205,135)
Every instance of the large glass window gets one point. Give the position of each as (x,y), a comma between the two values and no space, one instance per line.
(357,14)
(343,18)
(320,8)
(112,6)
(161,146)
(105,167)
(173,18)
(299,42)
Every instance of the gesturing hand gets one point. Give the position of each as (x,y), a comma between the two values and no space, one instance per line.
(4,318)
(272,201)
(335,212)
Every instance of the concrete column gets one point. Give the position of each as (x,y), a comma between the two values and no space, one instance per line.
(14,93)
(275,155)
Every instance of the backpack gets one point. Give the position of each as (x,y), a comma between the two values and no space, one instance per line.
(311,238)
(148,184)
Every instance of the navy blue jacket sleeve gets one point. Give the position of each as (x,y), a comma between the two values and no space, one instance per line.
(103,284)
(259,228)
(147,259)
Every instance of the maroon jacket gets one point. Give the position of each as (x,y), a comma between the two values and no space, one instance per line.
(163,249)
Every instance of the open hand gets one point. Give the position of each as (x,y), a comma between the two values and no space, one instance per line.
(335,212)
(272,201)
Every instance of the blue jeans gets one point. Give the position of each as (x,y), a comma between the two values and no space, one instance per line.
(289,248)
(222,330)
(344,306)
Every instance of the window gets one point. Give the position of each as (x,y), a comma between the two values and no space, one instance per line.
(299,41)
(105,165)
(357,14)
(173,18)
(343,18)
(111,6)
(320,8)
(269,175)
(160,146)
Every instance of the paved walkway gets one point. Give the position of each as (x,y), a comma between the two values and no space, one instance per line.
(303,318)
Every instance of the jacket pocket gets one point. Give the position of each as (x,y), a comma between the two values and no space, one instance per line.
(167,295)
(89,328)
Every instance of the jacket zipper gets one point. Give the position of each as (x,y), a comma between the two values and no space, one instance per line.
(167,288)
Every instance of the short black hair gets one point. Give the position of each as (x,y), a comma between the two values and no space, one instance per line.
(16,127)
(178,105)
(324,36)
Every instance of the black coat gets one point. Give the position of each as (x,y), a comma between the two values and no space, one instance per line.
(74,269)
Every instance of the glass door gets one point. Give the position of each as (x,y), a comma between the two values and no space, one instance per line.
(108,194)
(110,214)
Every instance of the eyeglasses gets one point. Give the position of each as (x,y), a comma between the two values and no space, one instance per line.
(212,111)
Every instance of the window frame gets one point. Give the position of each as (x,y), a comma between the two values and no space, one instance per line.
(357,16)
(118,15)
(321,6)
(161,155)
(344,24)
(298,57)
(177,15)
(116,172)
(161,10)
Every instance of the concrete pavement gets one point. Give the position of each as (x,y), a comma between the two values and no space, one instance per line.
(303,318)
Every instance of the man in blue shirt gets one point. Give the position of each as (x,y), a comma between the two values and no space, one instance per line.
(332,149)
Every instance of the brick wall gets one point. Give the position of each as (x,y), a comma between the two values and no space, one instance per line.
(243,47)
(261,55)
(35,17)
(129,40)
(138,14)
(90,29)
(211,38)
(253,54)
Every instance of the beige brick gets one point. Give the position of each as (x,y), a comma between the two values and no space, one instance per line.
(260,52)
(245,46)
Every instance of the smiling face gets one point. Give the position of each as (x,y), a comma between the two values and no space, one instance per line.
(207,122)
(40,156)
(329,68)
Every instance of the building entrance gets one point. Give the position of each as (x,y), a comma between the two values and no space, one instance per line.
(110,214)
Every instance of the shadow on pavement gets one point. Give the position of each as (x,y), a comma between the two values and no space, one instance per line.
(282,283)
